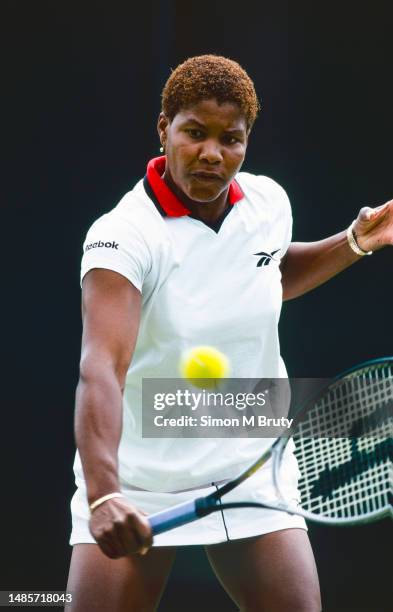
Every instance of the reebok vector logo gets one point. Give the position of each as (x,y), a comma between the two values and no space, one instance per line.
(266,258)
(100,244)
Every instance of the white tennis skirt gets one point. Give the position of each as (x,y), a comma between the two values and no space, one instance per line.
(220,526)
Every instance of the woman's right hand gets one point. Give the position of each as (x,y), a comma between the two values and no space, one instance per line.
(120,529)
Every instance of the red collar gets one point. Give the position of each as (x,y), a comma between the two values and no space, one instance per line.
(168,201)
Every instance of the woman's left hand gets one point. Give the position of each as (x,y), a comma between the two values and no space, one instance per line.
(374,227)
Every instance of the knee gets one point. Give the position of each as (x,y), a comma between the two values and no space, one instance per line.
(308,602)
(309,607)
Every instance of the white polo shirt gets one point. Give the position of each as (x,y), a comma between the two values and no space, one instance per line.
(218,286)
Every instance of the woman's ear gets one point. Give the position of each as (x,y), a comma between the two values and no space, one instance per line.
(162,126)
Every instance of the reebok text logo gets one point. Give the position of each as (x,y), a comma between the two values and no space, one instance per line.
(100,244)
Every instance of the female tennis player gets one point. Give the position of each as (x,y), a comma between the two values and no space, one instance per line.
(174,265)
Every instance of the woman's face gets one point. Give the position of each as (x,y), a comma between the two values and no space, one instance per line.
(205,146)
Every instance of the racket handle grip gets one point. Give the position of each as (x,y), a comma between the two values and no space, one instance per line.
(174,517)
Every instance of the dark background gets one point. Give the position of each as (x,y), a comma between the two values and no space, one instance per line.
(81,84)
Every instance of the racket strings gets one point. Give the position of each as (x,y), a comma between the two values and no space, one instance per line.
(344,447)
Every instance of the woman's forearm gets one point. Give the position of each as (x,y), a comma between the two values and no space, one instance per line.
(98,424)
(309,264)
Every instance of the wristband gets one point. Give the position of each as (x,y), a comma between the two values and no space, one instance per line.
(103,499)
(352,242)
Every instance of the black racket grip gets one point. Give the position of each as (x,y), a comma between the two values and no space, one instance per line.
(180,515)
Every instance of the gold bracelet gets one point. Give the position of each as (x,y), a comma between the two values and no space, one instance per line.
(103,499)
(352,242)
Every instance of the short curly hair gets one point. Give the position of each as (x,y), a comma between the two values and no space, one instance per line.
(210,76)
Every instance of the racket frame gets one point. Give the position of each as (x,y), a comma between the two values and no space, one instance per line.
(184,513)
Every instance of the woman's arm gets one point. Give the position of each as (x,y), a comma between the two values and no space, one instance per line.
(111,313)
(307,265)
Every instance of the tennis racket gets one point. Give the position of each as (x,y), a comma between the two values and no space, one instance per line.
(344,447)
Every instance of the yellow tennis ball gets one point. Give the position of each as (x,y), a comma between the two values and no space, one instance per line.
(205,363)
